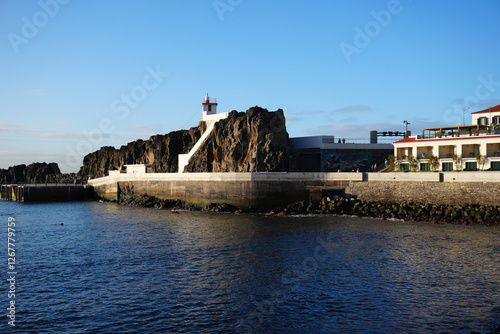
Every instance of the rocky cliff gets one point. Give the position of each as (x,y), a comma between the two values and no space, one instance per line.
(254,141)
(34,173)
(160,151)
(250,141)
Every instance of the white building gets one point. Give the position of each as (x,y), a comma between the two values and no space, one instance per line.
(459,147)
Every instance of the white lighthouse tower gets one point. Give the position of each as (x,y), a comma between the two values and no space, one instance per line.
(209,107)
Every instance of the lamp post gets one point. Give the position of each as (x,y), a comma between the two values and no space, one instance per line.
(406,132)
(463,113)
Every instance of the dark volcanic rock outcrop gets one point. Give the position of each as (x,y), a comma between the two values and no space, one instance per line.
(255,141)
(244,142)
(160,151)
(34,173)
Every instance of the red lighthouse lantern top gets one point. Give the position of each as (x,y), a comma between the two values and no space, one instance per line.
(207,100)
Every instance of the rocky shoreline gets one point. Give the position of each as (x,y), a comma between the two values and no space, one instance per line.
(447,214)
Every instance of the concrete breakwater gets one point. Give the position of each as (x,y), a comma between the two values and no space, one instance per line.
(274,190)
(46,192)
(258,190)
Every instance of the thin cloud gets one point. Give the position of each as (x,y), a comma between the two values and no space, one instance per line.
(293,118)
(77,135)
(143,128)
(9,127)
(312,112)
(17,128)
(38,92)
(349,120)
(354,109)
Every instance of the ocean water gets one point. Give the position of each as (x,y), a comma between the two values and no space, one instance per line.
(104,268)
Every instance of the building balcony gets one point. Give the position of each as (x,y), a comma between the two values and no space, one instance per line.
(493,150)
(495,154)
(467,155)
(421,156)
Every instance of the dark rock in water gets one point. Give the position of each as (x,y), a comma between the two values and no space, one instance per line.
(298,207)
(38,172)
(255,141)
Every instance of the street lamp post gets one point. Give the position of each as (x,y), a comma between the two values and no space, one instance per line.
(406,132)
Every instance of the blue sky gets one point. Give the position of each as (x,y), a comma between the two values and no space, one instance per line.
(77,75)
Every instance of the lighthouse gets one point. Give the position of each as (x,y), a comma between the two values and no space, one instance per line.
(209,107)
(210,117)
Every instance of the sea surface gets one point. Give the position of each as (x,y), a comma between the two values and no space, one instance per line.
(91,267)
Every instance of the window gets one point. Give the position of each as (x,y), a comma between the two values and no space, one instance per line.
(471,165)
(447,166)
(404,167)
(425,166)
(482,121)
(495,165)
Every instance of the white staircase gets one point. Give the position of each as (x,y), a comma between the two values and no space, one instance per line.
(184,158)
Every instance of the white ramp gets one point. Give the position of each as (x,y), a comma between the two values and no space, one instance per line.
(184,158)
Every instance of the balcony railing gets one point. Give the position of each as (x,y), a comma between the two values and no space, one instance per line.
(493,154)
(468,155)
(460,131)
(423,155)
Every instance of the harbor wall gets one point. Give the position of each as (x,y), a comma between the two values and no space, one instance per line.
(435,193)
(262,190)
(268,190)
(444,188)
(46,192)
